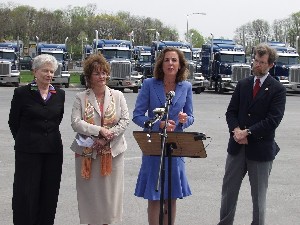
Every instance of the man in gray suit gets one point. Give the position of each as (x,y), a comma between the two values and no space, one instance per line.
(255,110)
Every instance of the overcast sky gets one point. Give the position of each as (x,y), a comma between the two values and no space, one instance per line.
(221,19)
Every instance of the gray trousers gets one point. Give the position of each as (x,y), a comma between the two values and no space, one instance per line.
(235,170)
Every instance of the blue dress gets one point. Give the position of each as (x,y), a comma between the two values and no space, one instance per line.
(152,96)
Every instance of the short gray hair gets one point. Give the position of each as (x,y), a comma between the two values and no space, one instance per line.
(43,59)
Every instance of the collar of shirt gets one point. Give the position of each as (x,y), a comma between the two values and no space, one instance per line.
(262,79)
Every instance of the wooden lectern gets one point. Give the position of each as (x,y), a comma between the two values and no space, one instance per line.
(184,144)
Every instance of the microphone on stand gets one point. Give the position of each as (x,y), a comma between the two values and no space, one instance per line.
(150,123)
(159,112)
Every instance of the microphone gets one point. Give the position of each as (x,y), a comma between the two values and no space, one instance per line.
(150,123)
(159,112)
(170,95)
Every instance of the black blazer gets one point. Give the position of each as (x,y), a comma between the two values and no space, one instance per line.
(34,123)
(261,115)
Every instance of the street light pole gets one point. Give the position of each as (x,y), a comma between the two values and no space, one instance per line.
(187,23)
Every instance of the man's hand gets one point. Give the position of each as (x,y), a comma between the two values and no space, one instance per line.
(240,136)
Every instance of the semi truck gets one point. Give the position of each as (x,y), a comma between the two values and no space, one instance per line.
(9,64)
(59,51)
(199,83)
(197,59)
(223,63)
(287,60)
(294,78)
(142,56)
(119,55)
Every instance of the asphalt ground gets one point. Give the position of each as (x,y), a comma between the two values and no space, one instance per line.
(204,174)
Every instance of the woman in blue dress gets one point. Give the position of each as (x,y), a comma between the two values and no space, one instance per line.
(170,74)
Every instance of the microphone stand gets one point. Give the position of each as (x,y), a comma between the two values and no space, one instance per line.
(161,173)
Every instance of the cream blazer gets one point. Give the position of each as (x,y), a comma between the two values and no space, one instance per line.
(118,144)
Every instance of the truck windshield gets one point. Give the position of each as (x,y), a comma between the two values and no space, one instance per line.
(7,55)
(110,54)
(188,55)
(59,56)
(232,58)
(145,58)
(287,60)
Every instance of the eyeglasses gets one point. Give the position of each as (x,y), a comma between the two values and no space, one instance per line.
(261,63)
(102,74)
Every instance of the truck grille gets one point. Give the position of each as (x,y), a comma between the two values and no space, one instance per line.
(147,71)
(58,71)
(191,70)
(240,71)
(120,70)
(5,68)
(294,74)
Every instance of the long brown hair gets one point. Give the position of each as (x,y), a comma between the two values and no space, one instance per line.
(182,73)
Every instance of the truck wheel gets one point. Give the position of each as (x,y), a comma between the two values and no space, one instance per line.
(135,89)
(67,85)
(16,84)
(198,90)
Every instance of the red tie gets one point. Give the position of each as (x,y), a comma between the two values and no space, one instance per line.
(256,87)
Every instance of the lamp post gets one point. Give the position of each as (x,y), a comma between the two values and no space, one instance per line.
(187,22)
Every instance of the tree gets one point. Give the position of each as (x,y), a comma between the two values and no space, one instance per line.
(197,40)
(26,23)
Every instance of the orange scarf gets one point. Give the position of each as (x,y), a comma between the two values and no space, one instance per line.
(103,151)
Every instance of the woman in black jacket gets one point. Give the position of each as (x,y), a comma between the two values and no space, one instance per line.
(36,112)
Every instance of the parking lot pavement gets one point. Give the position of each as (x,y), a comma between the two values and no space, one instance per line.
(205,174)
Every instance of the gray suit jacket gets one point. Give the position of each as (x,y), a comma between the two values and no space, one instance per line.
(118,144)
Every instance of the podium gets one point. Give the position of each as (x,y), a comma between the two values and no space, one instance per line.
(177,144)
(184,144)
